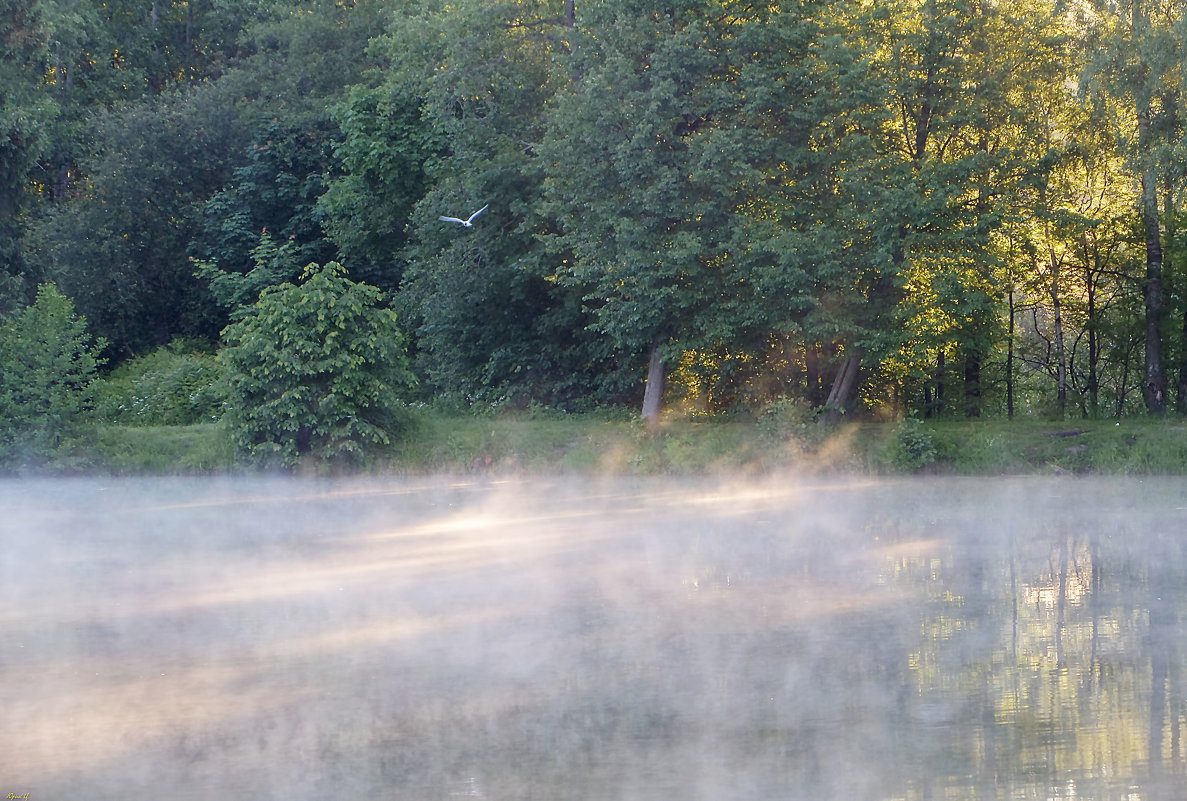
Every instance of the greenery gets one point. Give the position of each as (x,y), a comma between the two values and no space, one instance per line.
(511,444)
(914,445)
(176,385)
(202,448)
(789,421)
(48,365)
(803,213)
(315,370)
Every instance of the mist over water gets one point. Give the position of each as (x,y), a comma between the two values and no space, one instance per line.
(620,639)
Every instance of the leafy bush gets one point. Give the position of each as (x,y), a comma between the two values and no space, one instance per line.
(172,386)
(785,421)
(47,372)
(315,370)
(913,445)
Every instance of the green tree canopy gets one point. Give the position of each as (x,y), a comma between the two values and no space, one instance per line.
(316,369)
(48,364)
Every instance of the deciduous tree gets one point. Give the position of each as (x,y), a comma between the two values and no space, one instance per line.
(316,369)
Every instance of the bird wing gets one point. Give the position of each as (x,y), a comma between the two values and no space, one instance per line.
(451,219)
(475,214)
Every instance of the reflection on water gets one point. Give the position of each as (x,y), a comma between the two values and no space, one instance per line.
(942,639)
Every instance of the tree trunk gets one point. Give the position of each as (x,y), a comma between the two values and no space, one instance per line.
(1181,397)
(1154,385)
(1093,352)
(941,368)
(1060,350)
(1090,258)
(654,394)
(973,353)
(972,384)
(1154,380)
(812,374)
(1010,360)
(1123,384)
(844,391)
(1171,234)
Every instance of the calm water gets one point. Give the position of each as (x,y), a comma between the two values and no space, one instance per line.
(941,639)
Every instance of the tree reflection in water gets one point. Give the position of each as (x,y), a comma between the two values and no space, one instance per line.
(990,639)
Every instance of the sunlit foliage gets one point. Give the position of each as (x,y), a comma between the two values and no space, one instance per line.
(941,207)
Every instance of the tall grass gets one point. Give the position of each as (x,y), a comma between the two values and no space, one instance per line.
(161,450)
(614,443)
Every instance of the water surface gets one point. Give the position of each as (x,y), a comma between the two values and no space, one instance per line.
(786,639)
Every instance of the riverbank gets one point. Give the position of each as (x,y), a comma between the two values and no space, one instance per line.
(608,444)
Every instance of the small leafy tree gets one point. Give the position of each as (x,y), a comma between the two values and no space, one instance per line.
(47,372)
(315,370)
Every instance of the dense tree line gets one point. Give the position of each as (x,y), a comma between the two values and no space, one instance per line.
(950,207)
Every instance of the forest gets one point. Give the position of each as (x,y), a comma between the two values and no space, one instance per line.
(873,208)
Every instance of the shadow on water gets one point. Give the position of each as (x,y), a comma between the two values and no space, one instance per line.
(277,639)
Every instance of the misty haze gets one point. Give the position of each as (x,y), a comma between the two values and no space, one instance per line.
(623,639)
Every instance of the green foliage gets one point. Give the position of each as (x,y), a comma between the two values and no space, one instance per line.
(160,450)
(495,323)
(172,386)
(913,445)
(855,181)
(119,247)
(1131,446)
(124,192)
(48,363)
(272,264)
(26,114)
(387,147)
(789,420)
(272,196)
(315,369)
(640,204)
(705,183)
(493,332)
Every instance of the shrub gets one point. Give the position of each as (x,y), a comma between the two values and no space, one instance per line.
(173,386)
(785,421)
(47,372)
(913,446)
(315,370)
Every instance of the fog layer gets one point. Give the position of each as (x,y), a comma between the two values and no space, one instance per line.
(298,639)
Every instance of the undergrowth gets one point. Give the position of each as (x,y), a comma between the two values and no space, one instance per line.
(594,444)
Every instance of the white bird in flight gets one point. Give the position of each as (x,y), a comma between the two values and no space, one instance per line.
(467,223)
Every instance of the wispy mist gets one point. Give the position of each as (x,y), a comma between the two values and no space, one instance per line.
(634,639)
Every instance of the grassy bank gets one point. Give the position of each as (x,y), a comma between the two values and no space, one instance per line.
(597,444)
(1132,446)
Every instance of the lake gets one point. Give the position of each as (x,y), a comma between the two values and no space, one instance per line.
(824,639)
